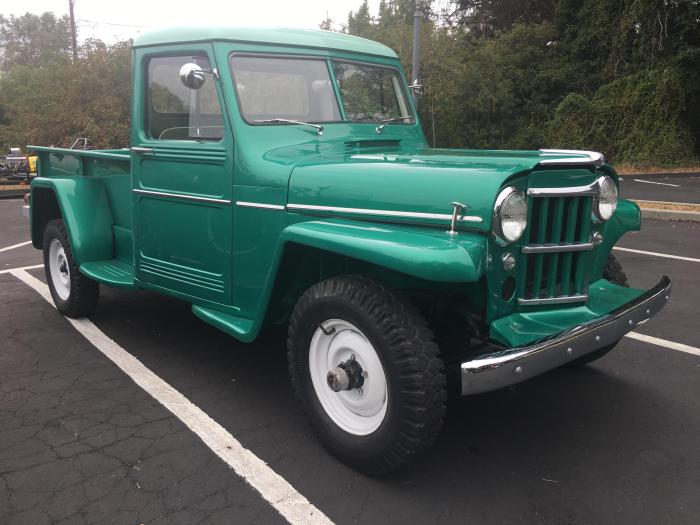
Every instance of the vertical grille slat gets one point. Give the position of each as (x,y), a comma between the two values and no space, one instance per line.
(541,239)
(549,274)
(525,268)
(583,258)
(569,236)
(557,219)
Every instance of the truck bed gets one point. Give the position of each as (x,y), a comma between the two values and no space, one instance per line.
(95,191)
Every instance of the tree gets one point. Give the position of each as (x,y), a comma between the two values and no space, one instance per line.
(33,40)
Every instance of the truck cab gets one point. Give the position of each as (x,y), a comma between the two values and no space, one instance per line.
(282,177)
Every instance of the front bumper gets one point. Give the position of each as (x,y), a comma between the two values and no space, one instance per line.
(501,367)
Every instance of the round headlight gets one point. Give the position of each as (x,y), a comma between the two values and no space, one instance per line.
(510,215)
(606,202)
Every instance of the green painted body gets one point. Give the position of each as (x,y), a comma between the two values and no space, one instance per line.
(243,267)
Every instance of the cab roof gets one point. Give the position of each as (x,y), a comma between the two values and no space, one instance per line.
(282,36)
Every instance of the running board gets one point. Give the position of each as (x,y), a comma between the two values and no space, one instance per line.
(112,272)
(239,327)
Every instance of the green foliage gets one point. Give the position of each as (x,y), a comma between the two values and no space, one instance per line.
(57,101)
(33,40)
(619,76)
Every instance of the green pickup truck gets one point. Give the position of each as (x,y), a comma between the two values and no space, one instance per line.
(282,177)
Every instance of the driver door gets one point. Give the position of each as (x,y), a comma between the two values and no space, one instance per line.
(182,180)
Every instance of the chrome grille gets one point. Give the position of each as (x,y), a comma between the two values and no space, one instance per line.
(556,256)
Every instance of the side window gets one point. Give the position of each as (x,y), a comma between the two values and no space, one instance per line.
(176,112)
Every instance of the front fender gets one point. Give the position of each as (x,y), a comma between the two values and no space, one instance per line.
(627,217)
(426,254)
(85,210)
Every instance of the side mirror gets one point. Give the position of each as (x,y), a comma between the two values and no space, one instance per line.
(416,88)
(192,75)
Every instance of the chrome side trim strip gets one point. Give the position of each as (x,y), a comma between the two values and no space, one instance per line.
(572,191)
(592,157)
(579,298)
(384,213)
(261,205)
(498,367)
(557,248)
(181,196)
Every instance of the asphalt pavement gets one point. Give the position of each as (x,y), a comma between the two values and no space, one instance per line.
(670,189)
(615,442)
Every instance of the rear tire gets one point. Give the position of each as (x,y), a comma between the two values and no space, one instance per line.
(398,409)
(73,294)
(613,273)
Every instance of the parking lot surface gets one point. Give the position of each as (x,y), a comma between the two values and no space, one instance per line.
(80,442)
(670,189)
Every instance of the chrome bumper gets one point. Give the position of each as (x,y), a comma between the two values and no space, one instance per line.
(505,367)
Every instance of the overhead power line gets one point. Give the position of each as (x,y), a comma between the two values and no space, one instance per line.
(111,23)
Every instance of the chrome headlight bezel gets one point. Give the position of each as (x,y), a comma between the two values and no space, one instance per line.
(603,205)
(497,229)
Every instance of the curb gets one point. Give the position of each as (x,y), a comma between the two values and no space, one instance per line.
(670,215)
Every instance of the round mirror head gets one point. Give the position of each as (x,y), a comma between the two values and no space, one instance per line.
(192,75)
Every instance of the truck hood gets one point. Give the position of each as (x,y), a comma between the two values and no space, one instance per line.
(416,185)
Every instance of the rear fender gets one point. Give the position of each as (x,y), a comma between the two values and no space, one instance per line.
(84,207)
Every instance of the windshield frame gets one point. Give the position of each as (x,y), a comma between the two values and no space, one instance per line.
(328,60)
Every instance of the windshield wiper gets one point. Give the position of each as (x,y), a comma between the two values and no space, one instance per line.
(319,129)
(384,122)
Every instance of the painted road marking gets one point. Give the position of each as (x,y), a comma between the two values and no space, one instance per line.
(19,245)
(659,183)
(19,268)
(657,254)
(284,498)
(663,342)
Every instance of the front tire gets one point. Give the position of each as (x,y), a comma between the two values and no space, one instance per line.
(73,294)
(391,401)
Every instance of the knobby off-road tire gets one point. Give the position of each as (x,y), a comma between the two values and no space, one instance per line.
(613,273)
(358,316)
(73,294)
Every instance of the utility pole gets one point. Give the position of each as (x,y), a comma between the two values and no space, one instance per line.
(415,63)
(72,30)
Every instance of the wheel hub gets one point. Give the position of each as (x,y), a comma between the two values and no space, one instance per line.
(58,269)
(348,375)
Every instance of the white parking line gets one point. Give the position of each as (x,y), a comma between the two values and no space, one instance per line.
(284,498)
(663,342)
(20,268)
(657,254)
(19,245)
(659,183)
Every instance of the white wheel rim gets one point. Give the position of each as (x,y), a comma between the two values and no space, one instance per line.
(58,268)
(358,411)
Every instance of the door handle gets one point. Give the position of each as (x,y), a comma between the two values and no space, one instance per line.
(140,151)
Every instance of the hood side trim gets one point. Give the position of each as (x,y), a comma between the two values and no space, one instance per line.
(384,213)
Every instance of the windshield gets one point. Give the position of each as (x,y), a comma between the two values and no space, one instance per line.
(370,93)
(273,88)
